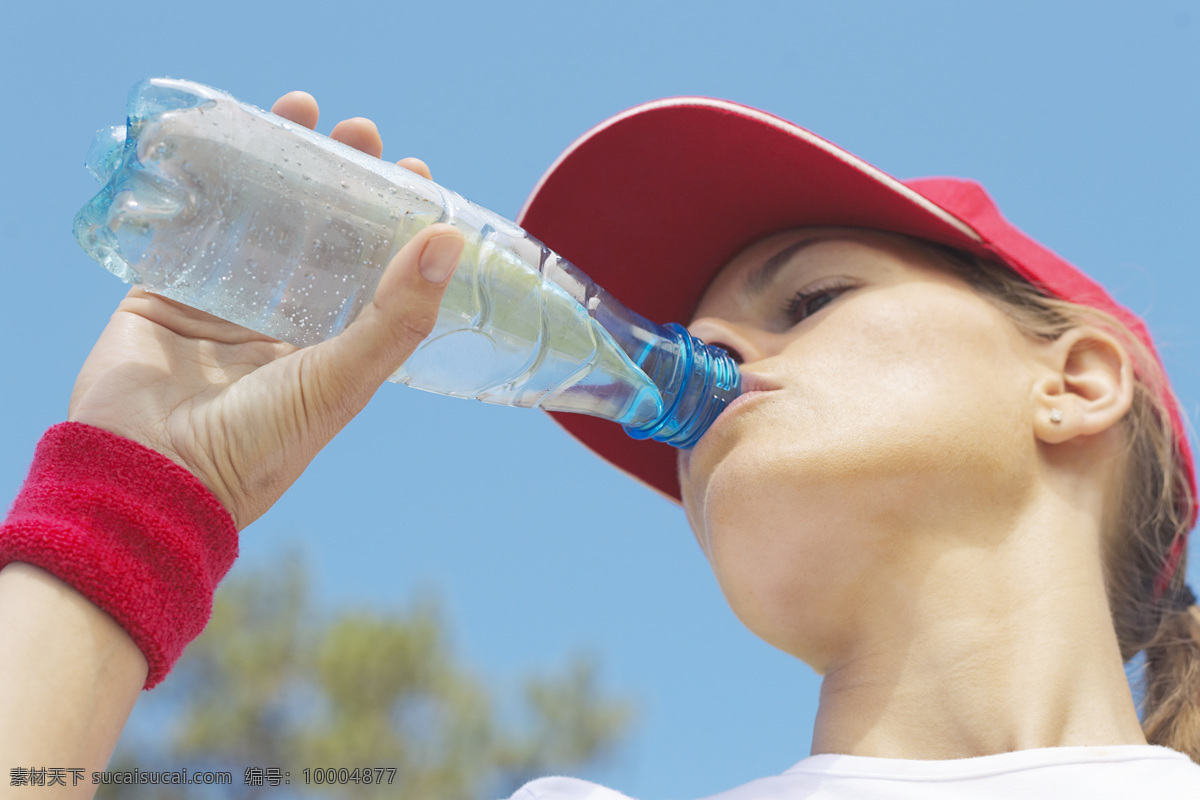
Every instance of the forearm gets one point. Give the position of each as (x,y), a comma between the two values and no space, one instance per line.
(69,677)
(110,556)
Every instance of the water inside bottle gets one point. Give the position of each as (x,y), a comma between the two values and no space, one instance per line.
(206,203)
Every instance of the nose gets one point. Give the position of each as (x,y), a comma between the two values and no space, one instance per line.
(741,344)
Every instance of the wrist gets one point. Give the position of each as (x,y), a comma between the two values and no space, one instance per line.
(132,531)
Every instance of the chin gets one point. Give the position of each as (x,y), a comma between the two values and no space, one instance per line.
(791,608)
(787,547)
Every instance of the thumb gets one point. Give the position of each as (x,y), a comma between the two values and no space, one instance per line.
(398,318)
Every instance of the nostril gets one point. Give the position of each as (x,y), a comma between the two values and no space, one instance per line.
(718,333)
(733,354)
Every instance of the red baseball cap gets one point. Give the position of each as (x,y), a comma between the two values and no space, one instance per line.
(654,201)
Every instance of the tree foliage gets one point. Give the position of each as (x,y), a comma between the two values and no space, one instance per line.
(270,685)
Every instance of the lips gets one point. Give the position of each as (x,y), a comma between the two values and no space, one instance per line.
(753,387)
(757,383)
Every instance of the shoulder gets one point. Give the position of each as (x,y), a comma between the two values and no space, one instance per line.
(1098,772)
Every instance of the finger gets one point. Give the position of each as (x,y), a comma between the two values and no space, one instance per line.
(299,107)
(184,320)
(400,316)
(360,133)
(416,165)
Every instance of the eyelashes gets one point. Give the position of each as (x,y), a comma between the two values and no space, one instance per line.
(808,301)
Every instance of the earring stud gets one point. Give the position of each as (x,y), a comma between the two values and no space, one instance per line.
(1056,415)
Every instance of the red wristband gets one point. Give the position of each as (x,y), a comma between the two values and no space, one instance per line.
(131,530)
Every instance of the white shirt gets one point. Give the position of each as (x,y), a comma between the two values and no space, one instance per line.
(1127,771)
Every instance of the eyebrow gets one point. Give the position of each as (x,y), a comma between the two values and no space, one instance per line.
(761,278)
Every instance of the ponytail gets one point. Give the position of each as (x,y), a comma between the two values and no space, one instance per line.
(1171,708)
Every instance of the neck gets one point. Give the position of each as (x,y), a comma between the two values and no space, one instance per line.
(991,650)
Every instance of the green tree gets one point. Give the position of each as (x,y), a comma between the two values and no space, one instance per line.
(270,685)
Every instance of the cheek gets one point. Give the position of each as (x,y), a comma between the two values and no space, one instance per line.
(926,382)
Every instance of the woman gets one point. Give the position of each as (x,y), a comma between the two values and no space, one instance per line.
(962,498)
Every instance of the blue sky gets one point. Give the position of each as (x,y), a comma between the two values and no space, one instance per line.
(1081,118)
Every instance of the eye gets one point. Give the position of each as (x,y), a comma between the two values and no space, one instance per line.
(810,300)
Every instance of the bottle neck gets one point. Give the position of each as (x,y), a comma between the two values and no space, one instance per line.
(697,381)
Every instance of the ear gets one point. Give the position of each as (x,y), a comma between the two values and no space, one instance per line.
(1087,386)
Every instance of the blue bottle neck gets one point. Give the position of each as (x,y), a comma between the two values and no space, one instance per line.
(697,381)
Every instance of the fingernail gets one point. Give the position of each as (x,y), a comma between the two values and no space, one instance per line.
(439,257)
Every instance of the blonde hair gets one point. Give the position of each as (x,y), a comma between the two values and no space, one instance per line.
(1156,509)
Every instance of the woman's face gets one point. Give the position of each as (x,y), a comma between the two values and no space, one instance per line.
(886,418)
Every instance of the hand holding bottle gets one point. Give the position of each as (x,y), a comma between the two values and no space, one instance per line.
(243,412)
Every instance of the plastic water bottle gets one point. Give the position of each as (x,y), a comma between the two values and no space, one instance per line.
(235,211)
